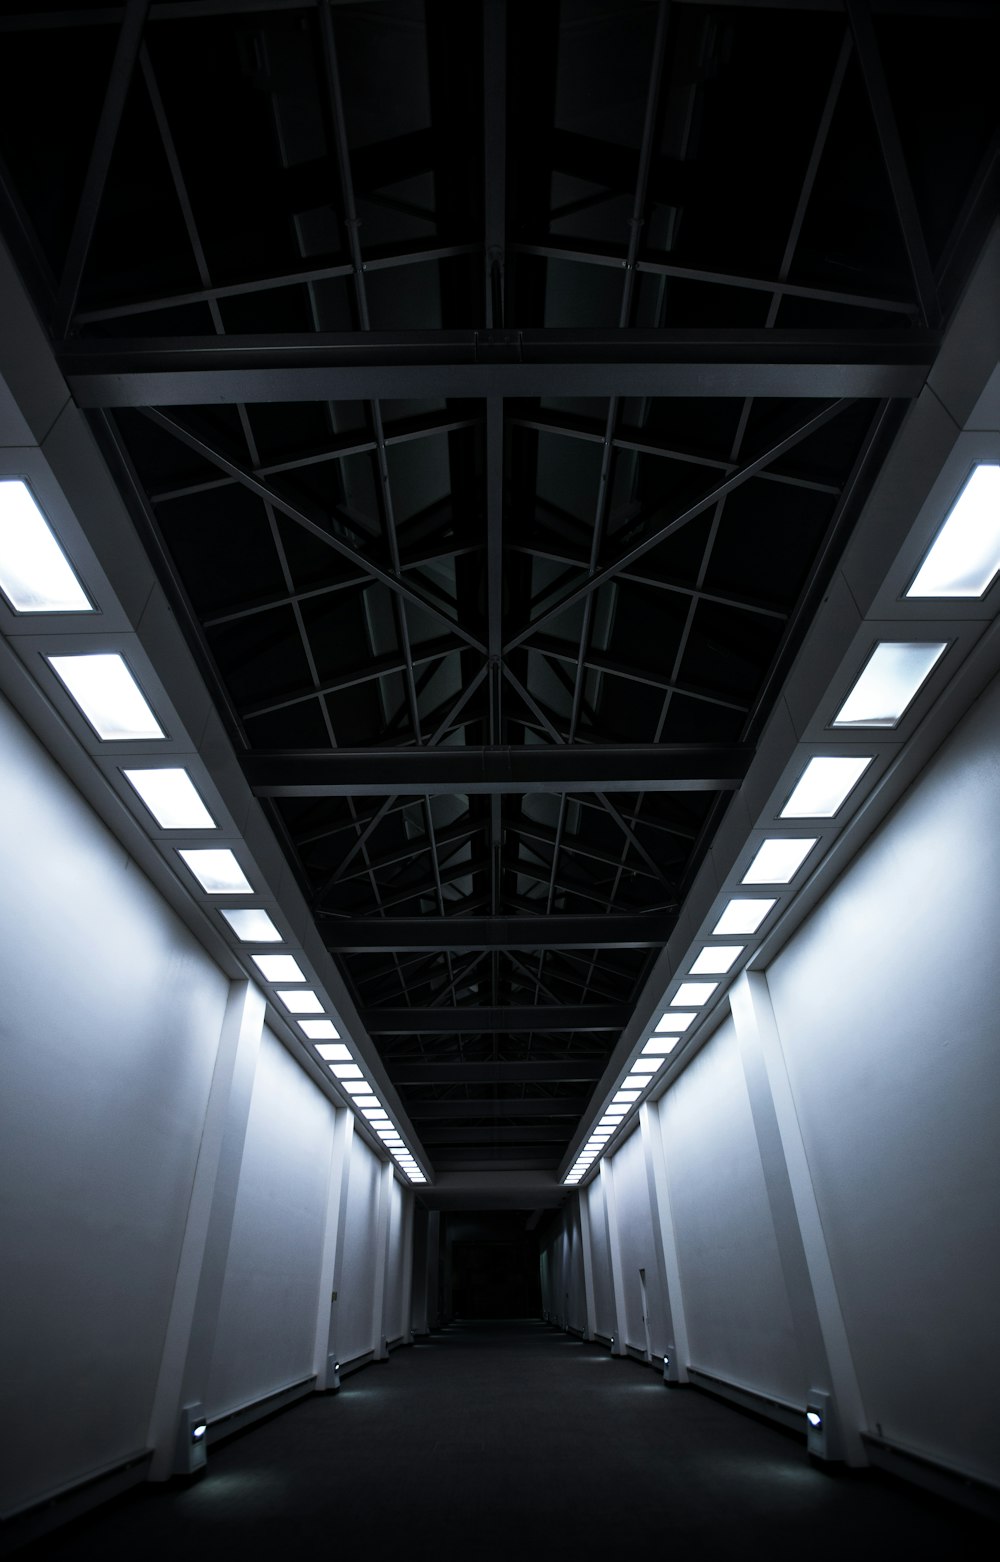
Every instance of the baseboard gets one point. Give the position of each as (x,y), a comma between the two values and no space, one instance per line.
(780,1411)
(941,1479)
(356,1363)
(221,1427)
(71,1501)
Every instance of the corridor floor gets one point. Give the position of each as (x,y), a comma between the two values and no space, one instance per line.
(514,1441)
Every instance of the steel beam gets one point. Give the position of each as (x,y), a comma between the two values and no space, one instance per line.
(361,935)
(422,772)
(359,366)
(123,66)
(434,1138)
(403,1072)
(498,1019)
(534,1106)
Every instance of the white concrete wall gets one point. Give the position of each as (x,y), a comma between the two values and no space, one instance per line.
(108,1030)
(563,1294)
(604,1299)
(354,1330)
(885,1003)
(110,1022)
(267,1319)
(738,1316)
(395,1326)
(635,1234)
(887,1006)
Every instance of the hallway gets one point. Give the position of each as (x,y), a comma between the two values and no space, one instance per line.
(513,1440)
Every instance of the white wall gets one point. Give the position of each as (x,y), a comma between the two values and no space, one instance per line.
(267,1319)
(604,1297)
(394,1326)
(885,1003)
(635,1234)
(354,1330)
(110,1022)
(887,1006)
(563,1291)
(108,1030)
(738,1317)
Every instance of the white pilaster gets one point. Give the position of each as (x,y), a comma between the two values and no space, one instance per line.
(614,1249)
(333,1245)
(382,1227)
(586,1249)
(664,1238)
(194,1312)
(805,1260)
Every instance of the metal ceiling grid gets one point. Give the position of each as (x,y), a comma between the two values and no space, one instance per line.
(494,433)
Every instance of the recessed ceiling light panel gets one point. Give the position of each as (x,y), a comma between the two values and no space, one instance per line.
(300,1000)
(106,692)
(779,859)
(694,994)
(965,555)
(35,574)
(671,1022)
(279,968)
(742,916)
(171,797)
(322,1030)
(252,926)
(824,786)
(716,959)
(217,871)
(890,680)
(332,1051)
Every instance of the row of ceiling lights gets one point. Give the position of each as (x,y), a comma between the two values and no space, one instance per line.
(962,562)
(37,577)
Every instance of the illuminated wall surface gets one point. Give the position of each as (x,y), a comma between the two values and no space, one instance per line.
(110,1028)
(885,1006)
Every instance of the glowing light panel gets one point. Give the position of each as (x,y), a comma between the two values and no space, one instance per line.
(742,916)
(279,968)
(694,993)
(107,694)
(824,786)
(35,574)
(253,927)
(217,871)
(322,1030)
(778,860)
(172,798)
(891,678)
(716,959)
(965,555)
(300,1000)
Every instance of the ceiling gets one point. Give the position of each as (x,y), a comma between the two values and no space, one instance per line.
(494,388)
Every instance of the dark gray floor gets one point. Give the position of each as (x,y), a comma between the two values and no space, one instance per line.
(513,1441)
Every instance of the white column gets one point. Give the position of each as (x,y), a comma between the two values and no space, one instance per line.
(614,1249)
(406,1266)
(333,1245)
(586,1249)
(382,1227)
(194,1311)
(664,1237)
(805,1260)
